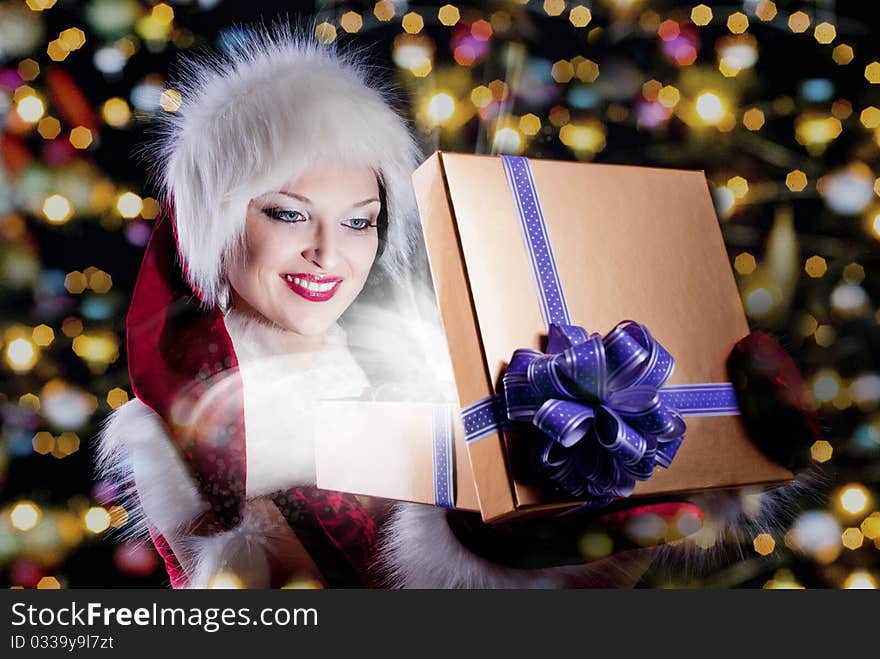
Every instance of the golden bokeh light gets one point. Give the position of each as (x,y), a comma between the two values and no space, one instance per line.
(580,16)
(764,544)
(21,354)
(96,519)
(75,282)
(860,579)
(738,22)
(872,73)
(81,137)
(854,498)
(384,10)
(48,583)
(116,112)
(745,263)
(825,33)
(710,107)
(798,22)
(170,100)
(43,442)
(753,119)
(43,335)
(117,397)
(701,15)
(842,54)
(325,32)
(49,128)
(412,23)
(796,180)
(530,124)
(129,205)
(852,538)
(448,15)
(821,451)
(25,515)
(562,71)
(351,22)
(30,109)
(766,10)
(57,209)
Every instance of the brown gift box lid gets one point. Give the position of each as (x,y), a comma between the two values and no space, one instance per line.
(630,243)
(387,449)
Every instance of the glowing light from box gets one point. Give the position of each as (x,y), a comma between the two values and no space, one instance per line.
(860,579)
(57,209)
(21,354)
(709,107)
(25,515)
(30,109)
(129,205)
(441,107)
(96,519)
(853,498)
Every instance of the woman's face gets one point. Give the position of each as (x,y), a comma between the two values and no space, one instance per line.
(308,248)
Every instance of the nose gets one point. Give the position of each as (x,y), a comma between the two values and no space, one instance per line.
(322,251)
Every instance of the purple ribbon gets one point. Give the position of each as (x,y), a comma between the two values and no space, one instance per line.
(606,420)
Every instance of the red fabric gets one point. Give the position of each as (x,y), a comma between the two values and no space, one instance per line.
(171,364)
(172,566)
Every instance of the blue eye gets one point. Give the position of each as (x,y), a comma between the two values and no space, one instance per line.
(282,215)
(358,223)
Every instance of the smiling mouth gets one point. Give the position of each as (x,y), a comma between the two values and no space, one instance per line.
(311,287)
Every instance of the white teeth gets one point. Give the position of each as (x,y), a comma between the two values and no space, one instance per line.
(318,287)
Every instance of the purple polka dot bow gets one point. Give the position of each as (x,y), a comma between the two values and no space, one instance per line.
(597,403)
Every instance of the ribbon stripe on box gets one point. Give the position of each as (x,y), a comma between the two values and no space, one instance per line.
(600,402)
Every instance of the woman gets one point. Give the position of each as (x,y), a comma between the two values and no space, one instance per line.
(285,268)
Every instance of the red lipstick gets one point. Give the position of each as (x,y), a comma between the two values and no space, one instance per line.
(314,288)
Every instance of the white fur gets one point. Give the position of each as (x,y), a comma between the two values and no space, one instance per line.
(258,115)
(419,550)
(136,451)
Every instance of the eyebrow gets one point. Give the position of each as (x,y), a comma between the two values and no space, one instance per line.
(306,200)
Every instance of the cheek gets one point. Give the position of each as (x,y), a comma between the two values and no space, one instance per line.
(362,254)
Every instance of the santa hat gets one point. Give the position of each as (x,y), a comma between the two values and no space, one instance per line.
(275,103)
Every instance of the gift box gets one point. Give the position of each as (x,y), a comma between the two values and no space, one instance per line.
(404,450)
(589,311)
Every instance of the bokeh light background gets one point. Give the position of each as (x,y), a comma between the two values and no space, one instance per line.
(779,103)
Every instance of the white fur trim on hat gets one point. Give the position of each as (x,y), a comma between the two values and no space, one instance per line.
(257,116)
